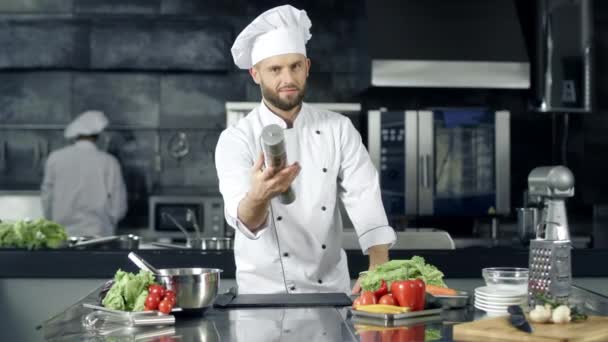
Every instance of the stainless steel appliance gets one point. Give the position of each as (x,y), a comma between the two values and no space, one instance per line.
(208,211)
(549,259)
(564,65)
(441,162)
(19,205)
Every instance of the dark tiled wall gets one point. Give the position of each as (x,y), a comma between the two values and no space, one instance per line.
(155,67)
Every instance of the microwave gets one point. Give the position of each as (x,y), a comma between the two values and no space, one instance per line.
(209,212)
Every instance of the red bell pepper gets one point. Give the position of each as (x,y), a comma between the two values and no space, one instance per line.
(420,294)
(381,291)
(405,293)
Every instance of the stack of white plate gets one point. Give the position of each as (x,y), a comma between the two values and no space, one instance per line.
(496,300)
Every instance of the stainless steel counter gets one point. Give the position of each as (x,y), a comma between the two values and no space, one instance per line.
(278,324)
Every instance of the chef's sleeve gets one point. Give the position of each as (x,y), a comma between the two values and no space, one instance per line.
(117,193)
(46,189)
(359,190)
(234,159)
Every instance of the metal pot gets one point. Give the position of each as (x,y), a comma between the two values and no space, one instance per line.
(126,242)
(195,288)
(213,243)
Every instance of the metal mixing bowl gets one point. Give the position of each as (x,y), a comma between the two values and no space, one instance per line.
(195,288)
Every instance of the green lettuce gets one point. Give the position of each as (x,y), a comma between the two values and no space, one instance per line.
(35,234)
(396,270)
(140,301)
(127,290)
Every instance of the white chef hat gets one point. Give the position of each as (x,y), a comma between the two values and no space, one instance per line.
(90,122)
(280,30)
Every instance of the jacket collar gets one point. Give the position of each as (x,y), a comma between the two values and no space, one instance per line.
(85,144)
(269,118)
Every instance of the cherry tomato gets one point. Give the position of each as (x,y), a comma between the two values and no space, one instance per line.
(165,306)
(172,300)
(170,294)
(367,297)
(157,289)
(387,299)
(152,301)
(356,302)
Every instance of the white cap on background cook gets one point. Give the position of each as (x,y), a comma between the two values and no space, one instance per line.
(90,122)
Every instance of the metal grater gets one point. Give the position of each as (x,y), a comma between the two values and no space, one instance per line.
(549,262)
(550,271)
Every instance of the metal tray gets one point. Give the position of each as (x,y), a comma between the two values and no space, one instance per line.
(397,323)
(395,317)
(460,300)
(127,314)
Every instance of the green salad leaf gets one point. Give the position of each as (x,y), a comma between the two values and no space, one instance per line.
(396,270)
(127,291)
(34,234)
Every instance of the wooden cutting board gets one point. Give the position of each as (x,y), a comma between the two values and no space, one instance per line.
(595,328)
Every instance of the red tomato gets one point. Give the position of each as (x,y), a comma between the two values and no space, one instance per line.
(387,299)
(165,306)
(367,297)
(405,293)
(170,293)
(172,300)
(152,301)
(420,294)
(157,289)
(356,302)
(382,290)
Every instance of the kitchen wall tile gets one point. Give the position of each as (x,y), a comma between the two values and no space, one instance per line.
(35,6)
(197,168)
(41,43)
(198,100)
(23,155)
(202,7)
(117,6)
(156,45)
(334,48)
(126,98)
(35,98)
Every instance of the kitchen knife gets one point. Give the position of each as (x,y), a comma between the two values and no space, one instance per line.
(518,318)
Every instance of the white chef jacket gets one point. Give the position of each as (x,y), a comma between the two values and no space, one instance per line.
(299,249)
(83,190)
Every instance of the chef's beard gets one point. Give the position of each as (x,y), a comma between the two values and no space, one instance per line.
(288,104)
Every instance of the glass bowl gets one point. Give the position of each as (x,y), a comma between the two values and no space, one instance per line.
(507,278)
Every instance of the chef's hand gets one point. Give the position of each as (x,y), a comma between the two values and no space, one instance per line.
(267,183)
(357,287)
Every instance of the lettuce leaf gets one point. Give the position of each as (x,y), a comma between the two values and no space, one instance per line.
(36,234)
(127,290)
(396,270)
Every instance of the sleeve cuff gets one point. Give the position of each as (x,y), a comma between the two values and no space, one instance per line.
(383,235)
(253,236)
(231,214)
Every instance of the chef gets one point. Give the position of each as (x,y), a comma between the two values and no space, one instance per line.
(83,188)
(296,247)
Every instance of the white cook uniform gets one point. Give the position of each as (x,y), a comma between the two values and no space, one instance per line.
(83,190)
(308,256)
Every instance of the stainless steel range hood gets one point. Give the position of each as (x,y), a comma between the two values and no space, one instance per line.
(445,43)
